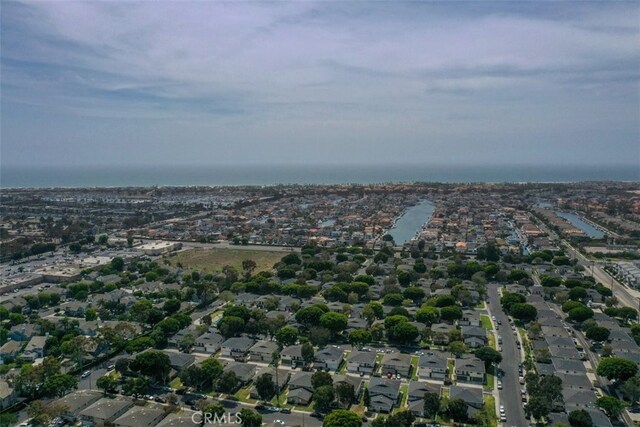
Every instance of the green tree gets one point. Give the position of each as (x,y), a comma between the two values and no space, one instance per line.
(342,418)
(524,312)
(617,368)
(107,383)
(323,397)
(171,306)
(307,353)
(265,386)
(321,379)
(580,314)
(431,404)
(451,313)
(631,389)
(488,355)
(360,337)
(231,326)
(59,384)
(334,322)
(319,336)
(457,348)
(580,418)
(228,382)
(152,363)
(538,406)
(428,315)
(405,333)
(345,393)
(612,406)
(250,418)
(287,336)
(598,333)
(457,410)
(90,314)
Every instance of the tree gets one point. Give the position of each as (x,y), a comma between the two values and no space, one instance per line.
(107,383)
(342,418)
(171,306)
(59,384)
(360,337)
(307,353)
(250,418)
(152,363)
(457,410)
(321,379)
(617,368)
(580,418)
(323,397)
(598,333)
(580,314)
(366,398)
(286,336)
(228,382)
(319,336)
(451,313)
(334,322)
(405,333)
(400,419)
(90,314)
(345,393)
(231,326)
(414,293)
(41,413)
(612,406)
(524,312)
(457,348)
(310,316)
(488,355)
(631,389)
(428,315)
(373,311)
(431,404)
(136,385)
(265,386)
(538,406)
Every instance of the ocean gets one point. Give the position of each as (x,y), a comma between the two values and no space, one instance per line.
(126,176)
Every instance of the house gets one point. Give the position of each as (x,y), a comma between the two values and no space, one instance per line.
(141,416)
(9,350)
(568,366)
(262,351)
(470,318)
(8,396)
(433,365)
(76,402)
(415,395)
(179,361)
(34,348)
(575,398)
(23,332)
(384,394)
(300,388)
(237,348)
(209,343)
(105,411)
(244,371)
(396,363)
(470,369)
(282,378)
(183,418)
(329,357)
(356,382)
(292,355)
(474,336)
(471,395)
(361,361)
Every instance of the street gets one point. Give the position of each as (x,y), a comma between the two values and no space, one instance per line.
(89,383)
(510,393)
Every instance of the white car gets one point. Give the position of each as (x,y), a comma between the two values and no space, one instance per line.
(502,409)
(85,374)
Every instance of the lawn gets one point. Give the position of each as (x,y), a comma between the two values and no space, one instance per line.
(283,401)
(212,260)
(414,367)
(486,322)
(490,405)
(492,341)
(490,382)
(451,365)
(342,369)
(176,383)
(243,395)
(403,400)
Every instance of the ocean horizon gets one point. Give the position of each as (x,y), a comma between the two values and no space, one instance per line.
(233,175)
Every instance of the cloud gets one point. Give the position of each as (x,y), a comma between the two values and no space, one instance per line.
(349,66)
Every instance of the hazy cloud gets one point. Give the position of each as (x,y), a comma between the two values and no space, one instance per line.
(368,82)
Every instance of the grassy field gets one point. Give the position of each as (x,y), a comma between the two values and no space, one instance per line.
(486,322)
(490,405)
(212,260)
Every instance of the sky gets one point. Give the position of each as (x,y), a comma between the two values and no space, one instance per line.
(203,83)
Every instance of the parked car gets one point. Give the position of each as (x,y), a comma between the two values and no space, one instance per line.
(85,374)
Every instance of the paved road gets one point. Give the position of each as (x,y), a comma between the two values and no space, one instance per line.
(89,383)
(510,393)
(295,418)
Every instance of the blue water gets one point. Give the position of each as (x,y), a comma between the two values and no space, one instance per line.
(412,220)
(588,229)
(123,176)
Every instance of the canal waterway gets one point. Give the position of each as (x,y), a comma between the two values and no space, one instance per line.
(576,221)
(411,222)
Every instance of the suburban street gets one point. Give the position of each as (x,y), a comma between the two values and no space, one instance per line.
(510,393)
(89,383)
